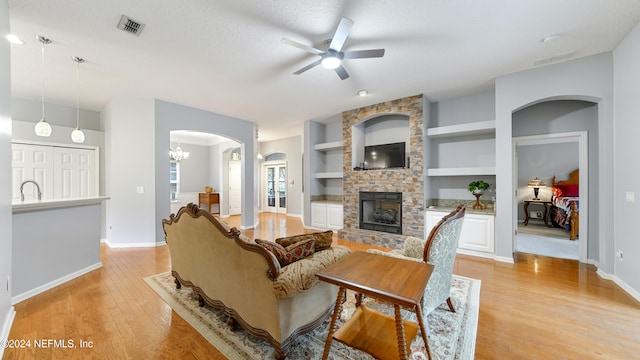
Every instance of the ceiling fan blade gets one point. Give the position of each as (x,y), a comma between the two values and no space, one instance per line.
(313,64)
(302,46)
(342,72)
(361,54)
(340,36)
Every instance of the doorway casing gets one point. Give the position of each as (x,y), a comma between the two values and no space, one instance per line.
(581,137)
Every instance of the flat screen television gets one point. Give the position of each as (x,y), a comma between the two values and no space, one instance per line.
(384,156)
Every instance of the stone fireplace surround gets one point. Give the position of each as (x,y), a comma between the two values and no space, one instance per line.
(408,181)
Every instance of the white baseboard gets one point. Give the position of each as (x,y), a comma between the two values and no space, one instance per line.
(6,328)
(484,255)
(133,245)
(626,287)
(50,285)
(505,259)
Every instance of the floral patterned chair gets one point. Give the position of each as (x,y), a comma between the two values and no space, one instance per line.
(440,251)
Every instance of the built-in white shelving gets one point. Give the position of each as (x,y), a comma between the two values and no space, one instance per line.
(335,145)
(329,175)
(462,171)
(480,127)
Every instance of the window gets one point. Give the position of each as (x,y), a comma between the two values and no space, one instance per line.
(174,180)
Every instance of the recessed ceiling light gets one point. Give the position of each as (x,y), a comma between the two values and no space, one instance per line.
(14,39)
(551,38)
(363,93)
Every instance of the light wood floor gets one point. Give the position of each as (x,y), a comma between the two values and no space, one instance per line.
(539,308)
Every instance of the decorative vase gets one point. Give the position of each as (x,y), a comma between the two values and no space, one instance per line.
(477,194)
(208,189)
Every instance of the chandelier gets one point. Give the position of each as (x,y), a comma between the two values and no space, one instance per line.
(178,154)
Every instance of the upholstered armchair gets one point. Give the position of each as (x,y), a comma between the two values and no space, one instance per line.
(440,251)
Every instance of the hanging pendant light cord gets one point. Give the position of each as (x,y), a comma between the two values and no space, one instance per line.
(42,77)
(78,94)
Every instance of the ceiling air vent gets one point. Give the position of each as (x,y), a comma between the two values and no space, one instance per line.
(129,25)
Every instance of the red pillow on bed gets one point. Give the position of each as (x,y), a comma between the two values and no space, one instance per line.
(572,190)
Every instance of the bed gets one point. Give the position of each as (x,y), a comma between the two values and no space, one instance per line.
(565,203)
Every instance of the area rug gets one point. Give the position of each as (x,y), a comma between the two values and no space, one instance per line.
(452,335)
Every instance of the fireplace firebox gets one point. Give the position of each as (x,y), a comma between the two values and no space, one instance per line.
(381,211)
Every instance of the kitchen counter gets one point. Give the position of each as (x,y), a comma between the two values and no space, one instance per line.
(470,210)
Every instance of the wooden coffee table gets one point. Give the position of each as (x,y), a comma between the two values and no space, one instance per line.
(397,281)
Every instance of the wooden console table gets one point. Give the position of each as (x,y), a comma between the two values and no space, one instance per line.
(547,211)
(209,198)
(397,281)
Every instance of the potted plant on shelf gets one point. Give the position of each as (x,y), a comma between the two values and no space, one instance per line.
(477,188)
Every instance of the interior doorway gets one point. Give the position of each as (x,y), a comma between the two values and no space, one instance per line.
(546,142)
(275,187)
(235,188)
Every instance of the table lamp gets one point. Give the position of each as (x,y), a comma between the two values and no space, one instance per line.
(536,184)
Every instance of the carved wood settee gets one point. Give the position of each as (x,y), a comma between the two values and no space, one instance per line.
(230,271)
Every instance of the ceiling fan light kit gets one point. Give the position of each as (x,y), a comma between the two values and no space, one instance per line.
(332,57)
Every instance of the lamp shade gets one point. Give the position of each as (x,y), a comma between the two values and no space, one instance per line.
(536,183)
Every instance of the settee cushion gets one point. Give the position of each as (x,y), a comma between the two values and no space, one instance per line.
(291,253)
(323,240)
(300,276)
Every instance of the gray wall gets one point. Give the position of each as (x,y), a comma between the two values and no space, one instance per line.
(194,171)
(6,310)
(62,115)
(168,117)
(36,249)
(543,162)
(292,147)
(465,151)
(626,58)
(586,79)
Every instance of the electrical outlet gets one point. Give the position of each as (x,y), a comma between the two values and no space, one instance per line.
(619,254)
(630,197)
(140,189)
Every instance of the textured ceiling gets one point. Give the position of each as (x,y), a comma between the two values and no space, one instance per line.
(225,56)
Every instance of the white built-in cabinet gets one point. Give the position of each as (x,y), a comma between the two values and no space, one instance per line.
(61,172)
(326,215)
(465,139)
(477,236)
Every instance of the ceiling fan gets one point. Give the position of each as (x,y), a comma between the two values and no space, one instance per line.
(332,57)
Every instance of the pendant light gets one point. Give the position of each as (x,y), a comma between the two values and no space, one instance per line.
(42,127)
(77,136)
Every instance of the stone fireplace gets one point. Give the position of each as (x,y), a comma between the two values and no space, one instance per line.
(407,181)
(381,211)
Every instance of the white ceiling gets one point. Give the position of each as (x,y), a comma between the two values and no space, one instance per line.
(225,56)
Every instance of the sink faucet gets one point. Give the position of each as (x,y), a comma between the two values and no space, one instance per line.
(22,189)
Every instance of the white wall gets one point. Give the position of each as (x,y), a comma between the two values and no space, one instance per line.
(6,310)
(588,79)
(130,150)
(626,58)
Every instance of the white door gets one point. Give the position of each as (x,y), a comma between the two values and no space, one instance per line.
(235,189)
(32,162)
(74,174)
(276,187)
